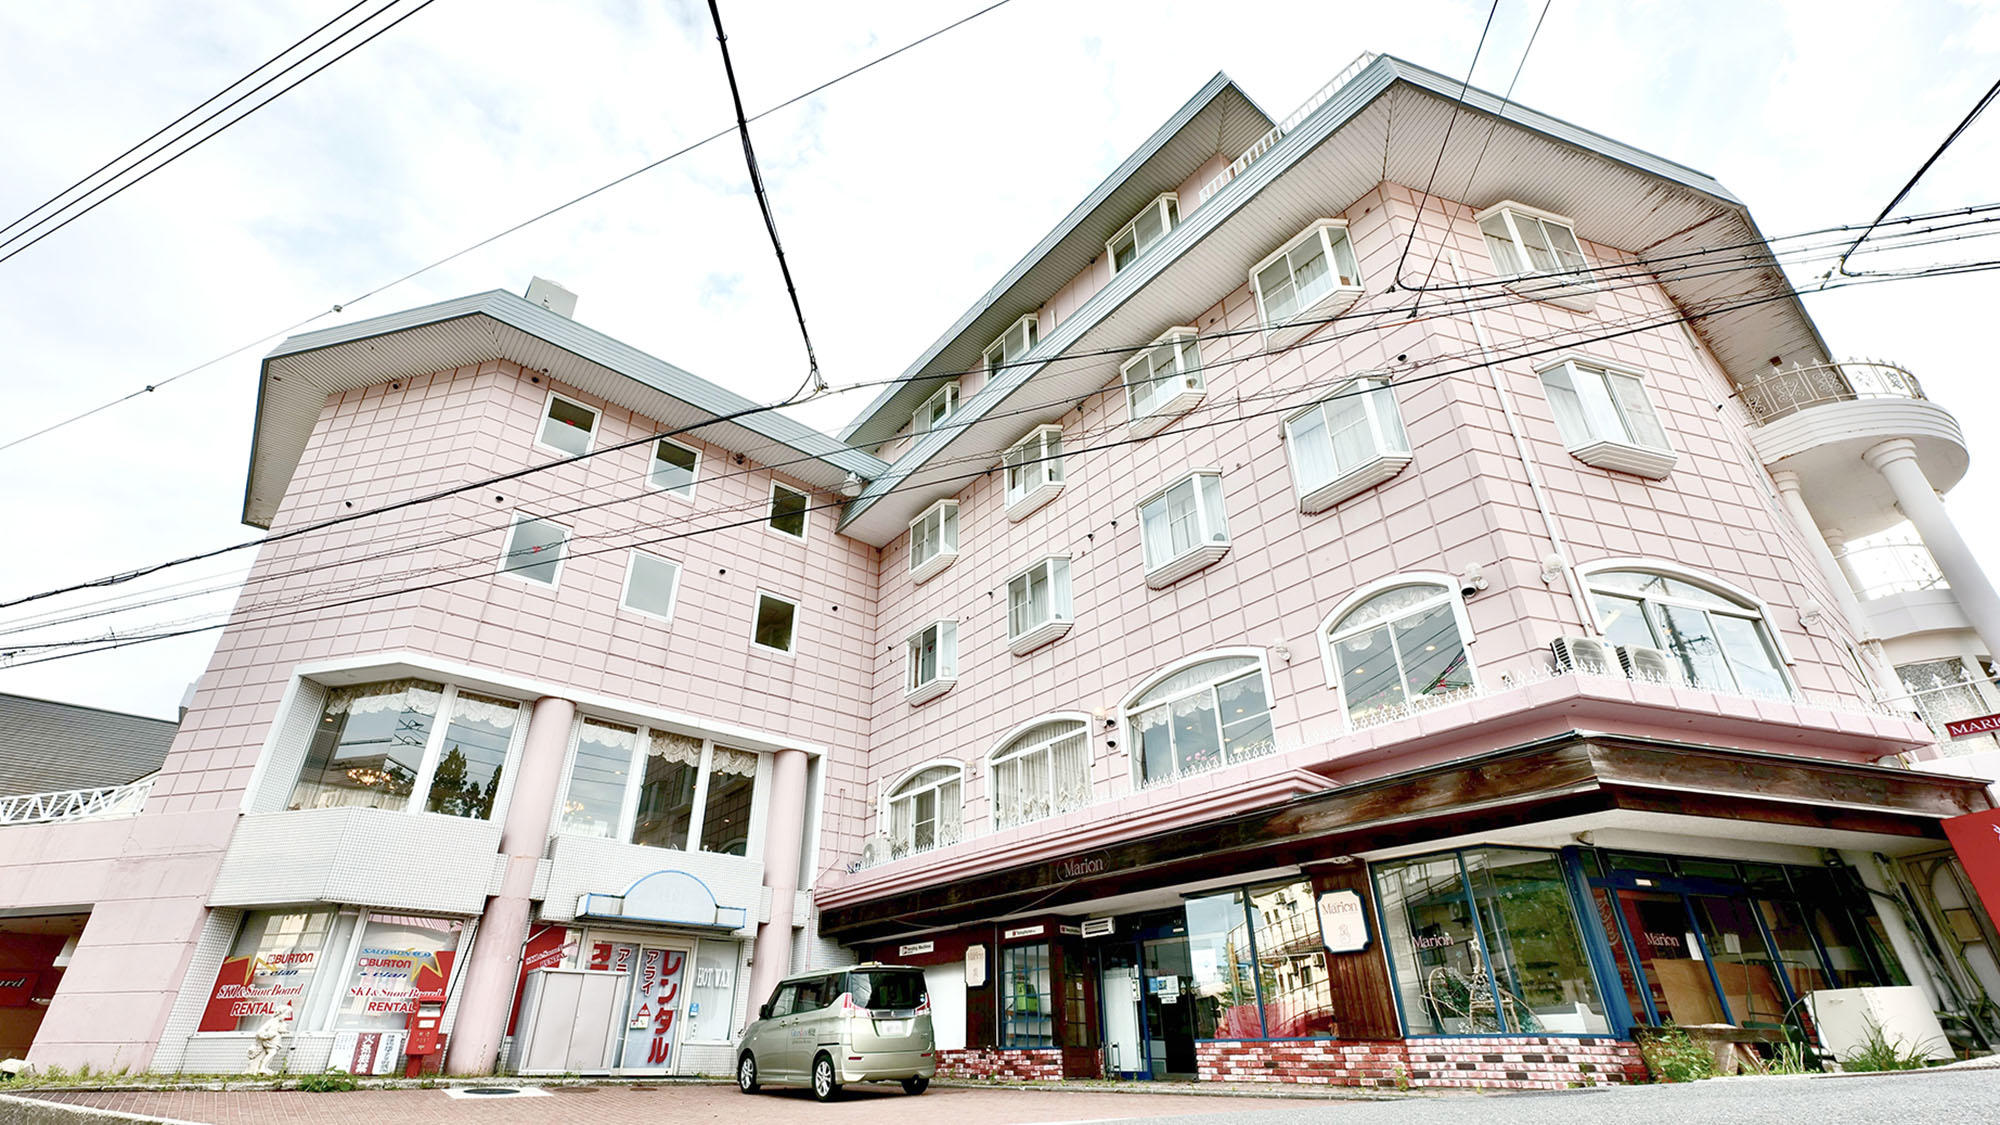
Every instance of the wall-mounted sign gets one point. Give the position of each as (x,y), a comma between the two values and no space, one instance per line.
(1343,922)
(1024,931)
(975,966)
(1073,931)
(1077,867)
(1965,728)
(915,948)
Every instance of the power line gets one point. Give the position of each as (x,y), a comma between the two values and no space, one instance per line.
(813,379)
(122,188)
(1458,103)
(525,223)
(78,647)
(1977,108)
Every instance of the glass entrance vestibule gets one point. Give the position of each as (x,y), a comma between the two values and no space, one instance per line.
(1593,942)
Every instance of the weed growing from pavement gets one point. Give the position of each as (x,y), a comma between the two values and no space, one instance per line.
(1878,1053)
(1672,1057)
(333,1081)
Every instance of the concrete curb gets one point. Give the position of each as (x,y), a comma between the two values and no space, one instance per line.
(35,1111)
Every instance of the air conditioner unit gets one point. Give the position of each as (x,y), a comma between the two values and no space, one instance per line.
(1650,665)
(1099,927)
(1582,654)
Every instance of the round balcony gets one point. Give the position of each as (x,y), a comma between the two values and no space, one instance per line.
(1903,595)
(1817,420)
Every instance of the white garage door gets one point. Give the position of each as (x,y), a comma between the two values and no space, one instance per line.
(946,984)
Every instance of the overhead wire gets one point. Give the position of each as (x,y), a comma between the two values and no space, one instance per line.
(1458,103)
(1978,108)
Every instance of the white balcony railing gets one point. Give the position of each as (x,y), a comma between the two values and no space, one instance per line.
(1893,566)
(1785,391)
(75,804)
(1266,142)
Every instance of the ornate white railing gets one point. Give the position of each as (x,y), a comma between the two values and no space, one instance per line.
(1265,142)
(1785,391)
(75,804)
(1895,566)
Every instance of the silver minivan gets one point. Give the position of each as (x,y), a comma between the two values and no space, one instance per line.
(870,1023)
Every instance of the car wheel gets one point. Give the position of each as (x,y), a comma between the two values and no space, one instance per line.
(824,1086)
(746,1074)
(916,1085)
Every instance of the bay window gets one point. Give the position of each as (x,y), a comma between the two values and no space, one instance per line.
(1201,717)
(1346,444)
(935,409)
(1182,528)
(1042,771)
(1306,282)
(380,745)
(1163,382)
(1038,605)
(930,662)
(933,540)
(1538,255)
(658,787)
(1606,419)
(1014,343)
(1034,471)
(924,810)
(1146,228)
(1711,640)
(1397,649)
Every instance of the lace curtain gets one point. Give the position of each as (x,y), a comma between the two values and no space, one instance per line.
(741,763)
(500,713)
(421,696)
(608,735)
(1387,604)
(1206,672)
(683,750)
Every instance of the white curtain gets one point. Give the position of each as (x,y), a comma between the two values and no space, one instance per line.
(421,696)
(678,748)
(500,713)
(742,763)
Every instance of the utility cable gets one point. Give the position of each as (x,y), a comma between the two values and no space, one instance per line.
(1978,107)
(1457,104)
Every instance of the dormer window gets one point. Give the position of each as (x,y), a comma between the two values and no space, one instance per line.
(1145,229)
(1308,281)
(1538,255)
(1012,344)
(935,409)
(1164,381)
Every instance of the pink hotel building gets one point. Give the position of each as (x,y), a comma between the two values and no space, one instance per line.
(1295,626)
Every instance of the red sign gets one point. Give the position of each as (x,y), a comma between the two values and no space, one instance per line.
(1985,724)
(1976,839)
(17,987)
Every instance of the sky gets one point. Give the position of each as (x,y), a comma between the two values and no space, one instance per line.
(902,194)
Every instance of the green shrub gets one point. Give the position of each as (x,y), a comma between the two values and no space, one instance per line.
(1789,1058)
(330,1082)
(1672,1057)
(1878,1053)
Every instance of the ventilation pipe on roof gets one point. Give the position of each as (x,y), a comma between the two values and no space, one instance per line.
(552,296)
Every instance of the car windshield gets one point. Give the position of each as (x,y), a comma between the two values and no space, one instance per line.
(886,988)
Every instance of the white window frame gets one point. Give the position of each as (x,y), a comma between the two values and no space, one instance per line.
(1207,550)
(1191,385)
(632,558)
(756,606)
(1385,426)
(427,762)
(945,514)
(1128,728)
(515,574)
(1040,466)
(1728,590)
(635,777)
(917,692)
(1607,451)
(1573,288)
(542,424)
(1062,612)
(1332,303)
(1167,206)
(685,492)
(884,809)
(1004,750)
(921,420)
(1330,660)
(771,509)
(1031,332)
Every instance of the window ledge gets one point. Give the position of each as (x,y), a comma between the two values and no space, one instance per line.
(1314,316)
(1624,457)
(1197,559)
(918,696)
(1040,635)
(1354,482)
(1026,505)
(1147,425)
(1574,294)
(933,566)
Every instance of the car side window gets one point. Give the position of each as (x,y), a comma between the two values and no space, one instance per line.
(834,986)
(809,999)
(782,1004)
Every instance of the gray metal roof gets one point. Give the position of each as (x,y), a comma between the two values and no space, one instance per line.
(1219,118)
(47,746)
(299,374)
(1388,123)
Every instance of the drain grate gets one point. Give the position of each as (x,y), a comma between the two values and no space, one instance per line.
(487,1093)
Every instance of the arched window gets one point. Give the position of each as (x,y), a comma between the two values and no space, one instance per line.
(1041,771)
(924,810)
(1395,647)
(1200,717)
(1714,640)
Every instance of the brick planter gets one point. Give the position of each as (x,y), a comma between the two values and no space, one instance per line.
(1512,1062)
(1014,1064)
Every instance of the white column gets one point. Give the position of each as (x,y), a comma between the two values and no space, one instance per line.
(1829,568)
(1836,542)
(784,832)
(1896,460)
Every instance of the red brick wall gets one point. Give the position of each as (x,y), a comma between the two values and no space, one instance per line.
(1515,1062)
(1018,1064)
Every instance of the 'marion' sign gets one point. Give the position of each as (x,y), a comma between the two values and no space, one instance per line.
(1343,922)
(1985,724)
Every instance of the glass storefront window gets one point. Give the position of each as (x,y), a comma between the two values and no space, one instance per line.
(1741,960)
(1291,960)
(712,1000)
(1797,959)
(1670,957)
(1427,924)
(467,778)
(402,959)
(1525,913)
(271,964)
(368,746)
(1027,1018)
(725,820)
(1221,969)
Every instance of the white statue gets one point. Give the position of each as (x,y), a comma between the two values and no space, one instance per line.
(270,1039)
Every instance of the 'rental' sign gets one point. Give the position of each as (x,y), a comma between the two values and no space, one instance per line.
(1343,922)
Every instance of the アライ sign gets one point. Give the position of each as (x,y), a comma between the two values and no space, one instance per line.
(1965,728)
(1343,922)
